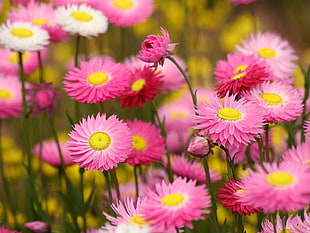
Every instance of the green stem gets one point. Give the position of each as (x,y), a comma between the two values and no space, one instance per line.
(209,187)
(82,197)
(136,180)
(116,183)
(22,79)
(229,163)
(194,98)
(108,183)
(267,149)
(41,79)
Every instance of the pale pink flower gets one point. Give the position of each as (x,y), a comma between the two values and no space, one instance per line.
(307,128)
(38,227)
(289,226)
(298,154)
(177,140)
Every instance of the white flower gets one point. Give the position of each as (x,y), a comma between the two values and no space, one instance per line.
(126,228)
(23,36)
(82,20)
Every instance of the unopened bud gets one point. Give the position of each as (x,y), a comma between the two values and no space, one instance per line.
(38,227)
(200,147)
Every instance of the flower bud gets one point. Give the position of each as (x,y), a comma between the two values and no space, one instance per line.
(199,146)
(38,227)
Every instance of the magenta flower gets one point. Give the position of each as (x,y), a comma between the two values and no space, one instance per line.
(156,48)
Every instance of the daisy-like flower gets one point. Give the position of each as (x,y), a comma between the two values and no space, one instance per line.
(229,196)
(299,154)
(277,187)
(147,146)
(96,4)
(156,48)
(177,140)
(301,225)
(82,20)
(23,36)
(176,204)
(10,97)
(276,51)
(126,13)
(9,63)
(240,72)
(280,102)
(125,228)
(143,86)
(42,15)
(96,81)
(229,121)
(99,143)
(289,226)
(48,152)
(191,169)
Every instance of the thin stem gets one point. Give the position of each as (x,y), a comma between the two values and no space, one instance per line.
(267,149)
(41,79)
(82,197)
(22,79)
(136,180)
(194,98)
(306,96)
(230,164)
(116,183)
(108,182)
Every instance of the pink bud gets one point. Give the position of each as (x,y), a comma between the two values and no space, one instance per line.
(44,99)
(38,227)
(199,146)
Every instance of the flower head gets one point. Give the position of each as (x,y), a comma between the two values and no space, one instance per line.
(23,36)
(200,146)
(176,204)
(38,227)
(99,143)
(82,20)
(230,121)
(147,146)
(298,154)
(6,230)
(156,48)
(96,81)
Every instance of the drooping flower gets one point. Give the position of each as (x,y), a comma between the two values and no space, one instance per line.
(176,204)
(99,143)
(229,196)
(96,81)
(280,102)
(276,187)
(143,86)
(43,97)
(39,14)
(9,62)
(156,48)
(239,73)
(231,121)
(48,152)
(23,36)
(38,227)
(147,146)
(126,13)
(276,51)
(81,20)
(10,97)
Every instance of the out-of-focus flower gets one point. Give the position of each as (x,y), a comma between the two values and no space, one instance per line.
(156,48)
(43,97)
(298,154)
(38,227)
(82,20)
(99,143)
(290,225)
(23,36)
(6,230)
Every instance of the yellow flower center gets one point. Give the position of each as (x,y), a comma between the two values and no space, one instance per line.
(138,85)
(123,4)
(271,99)
(13,58)
(287,231)
(39,21)
(138,219)
(138,143)
(4,94)
(171,200)
(280,179)
(21,32)
(229,114)
(240,191)
(267,53)
(177,115)
(81,16)
(237,70)
(307,163)
(99,141)
(97,78)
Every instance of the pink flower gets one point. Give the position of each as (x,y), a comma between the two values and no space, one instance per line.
(43,97)
(298,154)
(100,143)
(291,225)
(177,140)
(96,4)
(307,128)
(148,145)
(156,48)
(38,227)
(6,230)
(199,146)
(176,204)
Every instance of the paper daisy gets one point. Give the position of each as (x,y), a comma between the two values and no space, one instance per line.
(229,196)
(39,14)
(23,36)
(126,13)
(229,121)
(155,48)
(47,151)
(96,4)
(299,154)
(240,72)
(191,169)
(82,20)
(176,204)
(280,102)
(277,187)
(99,143)
(289,226)
(177,140)
(9,62)
(276,51)
(147,145)
(96,81)
(10,97)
